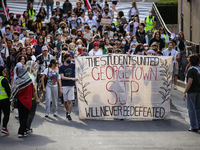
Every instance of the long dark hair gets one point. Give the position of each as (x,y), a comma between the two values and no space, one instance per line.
(53,61)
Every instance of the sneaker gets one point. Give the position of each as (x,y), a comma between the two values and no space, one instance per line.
(22,135)
(66,114)
(29,130)
(175,88)
(193,130)
(55,114)
(62,105)
(69,117)
(46,116)
(5,131)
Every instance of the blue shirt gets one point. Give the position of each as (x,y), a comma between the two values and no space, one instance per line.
(68,71)
(38,49)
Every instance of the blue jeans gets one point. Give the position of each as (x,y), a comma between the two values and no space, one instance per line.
(193,106)
(51,5)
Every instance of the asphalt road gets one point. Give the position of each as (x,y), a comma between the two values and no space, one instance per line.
(60,134)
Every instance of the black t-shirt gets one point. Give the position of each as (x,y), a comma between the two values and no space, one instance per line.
(160,42)
(181,45)
(141,36)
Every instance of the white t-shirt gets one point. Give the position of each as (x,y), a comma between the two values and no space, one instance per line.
(134,11)
(99,52)
(52,76)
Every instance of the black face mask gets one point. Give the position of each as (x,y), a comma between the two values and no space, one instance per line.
(68,41)
(63,27)
(112,44)
(68,61)
(110,51)
(131,26)
(11,17)
(79,35)
(65,49)
(38,34)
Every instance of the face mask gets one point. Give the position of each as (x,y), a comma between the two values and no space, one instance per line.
(78,21)
(134,40)
(150,14)
(63,27)
(57,5)
(112,27)
(68,61)
(79,46)
(57,17)
(146,48)
(122,37)
(65,49)
(123,42)
(128,36)
(48,40)
(73,18)
(112,44)
(93,28)
(11,17)
(131,26)
(117,29)
(79,35)
(115,38)
(38,34)
(132,48)
(8,32)
(141,49)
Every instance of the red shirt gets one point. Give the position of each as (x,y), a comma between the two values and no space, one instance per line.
(33,42)
(80,51)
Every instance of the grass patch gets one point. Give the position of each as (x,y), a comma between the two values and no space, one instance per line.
(167,2)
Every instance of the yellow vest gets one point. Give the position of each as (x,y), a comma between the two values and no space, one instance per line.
(165,40)
(149,24)
(3,94)
(31,13)
(32,76)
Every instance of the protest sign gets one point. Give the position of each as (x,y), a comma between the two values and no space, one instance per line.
(124,87)
(106,22)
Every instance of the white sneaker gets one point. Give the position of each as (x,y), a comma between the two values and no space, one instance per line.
(175,88)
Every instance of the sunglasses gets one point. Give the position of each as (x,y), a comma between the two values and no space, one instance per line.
(4,70)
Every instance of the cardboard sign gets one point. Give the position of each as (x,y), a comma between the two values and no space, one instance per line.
(124,87)
(106,22)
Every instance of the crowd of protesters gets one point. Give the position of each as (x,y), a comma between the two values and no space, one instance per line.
(40,49)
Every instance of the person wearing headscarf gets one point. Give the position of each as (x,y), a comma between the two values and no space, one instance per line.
(130,28)
(5,94)
(24,90)
(149,36)
(32,69)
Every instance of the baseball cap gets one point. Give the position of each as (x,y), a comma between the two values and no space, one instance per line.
(44,48)
(95,44)
(24,28)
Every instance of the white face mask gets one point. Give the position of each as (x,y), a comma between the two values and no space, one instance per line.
(57,17)
(128,36)
(150,14)
(79,46)
(73,18)
(48,40)
(146,48)
(134,40)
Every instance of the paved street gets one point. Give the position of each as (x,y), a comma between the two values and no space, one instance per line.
(60,134)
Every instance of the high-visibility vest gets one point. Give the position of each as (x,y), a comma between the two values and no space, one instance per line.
(165,40)
(32,76)
(149,24)
(31,13)
(3,94)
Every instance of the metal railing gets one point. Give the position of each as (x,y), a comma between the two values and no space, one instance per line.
(195,47)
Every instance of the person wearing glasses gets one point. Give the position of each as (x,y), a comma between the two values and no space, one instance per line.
(53,77)
(4,99)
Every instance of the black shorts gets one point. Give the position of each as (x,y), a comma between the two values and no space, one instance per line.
(114,2)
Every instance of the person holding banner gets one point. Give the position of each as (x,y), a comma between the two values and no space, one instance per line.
(193,93)
(67,72)
(176,55)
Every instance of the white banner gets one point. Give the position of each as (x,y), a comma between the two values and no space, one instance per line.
(124,87)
